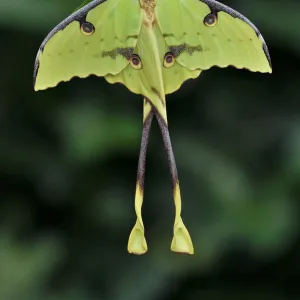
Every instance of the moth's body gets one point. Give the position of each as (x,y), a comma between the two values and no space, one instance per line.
(152,47)
(153,80)
(148,8)
(149,53)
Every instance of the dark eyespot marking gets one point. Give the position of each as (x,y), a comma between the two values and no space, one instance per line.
(136,62)
(169,60)
(211,20)
(87,28)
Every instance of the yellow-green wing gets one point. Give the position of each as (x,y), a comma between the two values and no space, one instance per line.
(206,33)
(143,81)
(98,39)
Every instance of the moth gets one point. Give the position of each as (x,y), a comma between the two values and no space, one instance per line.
(152,47)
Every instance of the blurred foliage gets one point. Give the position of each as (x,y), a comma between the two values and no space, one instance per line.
(68,160)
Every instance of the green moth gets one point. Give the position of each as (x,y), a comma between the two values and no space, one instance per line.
(152,47)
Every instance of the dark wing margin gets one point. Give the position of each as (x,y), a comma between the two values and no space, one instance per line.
(216,7)
(79,15)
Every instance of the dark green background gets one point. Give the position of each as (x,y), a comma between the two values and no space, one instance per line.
(68,159)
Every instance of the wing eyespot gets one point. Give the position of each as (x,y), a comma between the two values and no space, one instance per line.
(169,60)
(87,28)
(210,20)
(136,62)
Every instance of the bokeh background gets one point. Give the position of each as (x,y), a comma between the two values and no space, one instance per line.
(68,160)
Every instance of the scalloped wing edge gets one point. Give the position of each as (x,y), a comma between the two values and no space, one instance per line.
(76,16)
(217,6)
